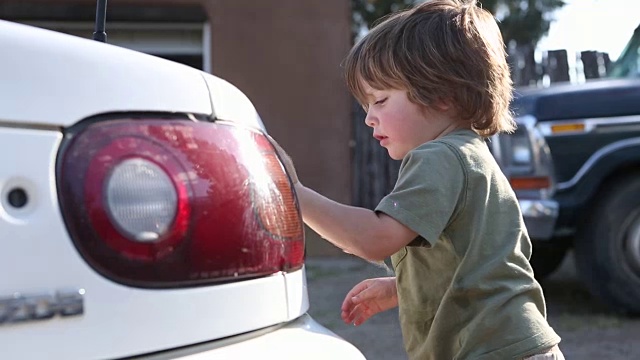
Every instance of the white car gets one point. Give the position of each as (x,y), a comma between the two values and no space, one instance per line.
(144,213)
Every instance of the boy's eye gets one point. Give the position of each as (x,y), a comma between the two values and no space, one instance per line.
(380,101)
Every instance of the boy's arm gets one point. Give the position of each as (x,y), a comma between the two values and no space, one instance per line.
(359,231)
(362,232)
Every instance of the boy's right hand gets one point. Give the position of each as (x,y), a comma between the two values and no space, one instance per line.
(286,160)
(368,298)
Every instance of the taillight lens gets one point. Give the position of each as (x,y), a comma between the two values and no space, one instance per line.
(141,199)
(530,183)
(159,203)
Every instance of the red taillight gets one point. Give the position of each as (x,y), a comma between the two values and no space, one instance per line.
(166,203)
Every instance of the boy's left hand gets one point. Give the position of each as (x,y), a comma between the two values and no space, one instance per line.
(368,298)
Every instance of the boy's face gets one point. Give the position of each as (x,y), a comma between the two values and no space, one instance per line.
(401,125)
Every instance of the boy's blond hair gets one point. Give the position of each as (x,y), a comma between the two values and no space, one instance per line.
(441,50)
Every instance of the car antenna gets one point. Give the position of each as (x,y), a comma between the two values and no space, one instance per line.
(101,22)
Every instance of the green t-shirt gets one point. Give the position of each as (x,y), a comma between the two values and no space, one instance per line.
(465,286)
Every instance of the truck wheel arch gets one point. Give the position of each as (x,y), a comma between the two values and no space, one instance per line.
(599,176)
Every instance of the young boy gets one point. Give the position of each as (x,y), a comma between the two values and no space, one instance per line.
(435,83)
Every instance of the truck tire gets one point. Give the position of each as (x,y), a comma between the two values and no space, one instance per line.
(546,258)
(608,248)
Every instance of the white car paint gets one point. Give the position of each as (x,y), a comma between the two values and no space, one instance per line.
(51,81)
(300,339)
(81,78)
(60,79)
(229,103)
(118,320)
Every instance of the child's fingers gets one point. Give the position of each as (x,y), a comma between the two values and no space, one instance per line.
(356,312)
(349,312)
(363,285)
(362,314)
(346,316)
(352,302)
(361,319)
(349,298)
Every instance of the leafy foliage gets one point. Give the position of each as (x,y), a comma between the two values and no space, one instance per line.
(521,21)
(367,12)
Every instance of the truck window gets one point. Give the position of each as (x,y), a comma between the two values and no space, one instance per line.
(628,64)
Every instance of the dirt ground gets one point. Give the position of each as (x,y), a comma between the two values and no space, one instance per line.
(588,329)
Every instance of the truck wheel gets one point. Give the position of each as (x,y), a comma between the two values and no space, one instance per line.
(608,250)
(546,258)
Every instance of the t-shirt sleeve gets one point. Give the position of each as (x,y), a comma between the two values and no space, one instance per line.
(429,190)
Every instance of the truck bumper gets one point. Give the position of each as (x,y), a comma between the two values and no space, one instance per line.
(540,217)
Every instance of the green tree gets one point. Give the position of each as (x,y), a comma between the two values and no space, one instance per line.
(367,12)
(522,22)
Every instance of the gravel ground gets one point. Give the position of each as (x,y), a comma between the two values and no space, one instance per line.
(588,329)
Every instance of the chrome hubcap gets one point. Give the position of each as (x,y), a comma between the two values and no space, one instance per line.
(632,244)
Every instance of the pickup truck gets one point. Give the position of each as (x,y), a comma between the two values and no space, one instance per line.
(574,163)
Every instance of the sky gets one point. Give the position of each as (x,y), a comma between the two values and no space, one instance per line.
(601,25)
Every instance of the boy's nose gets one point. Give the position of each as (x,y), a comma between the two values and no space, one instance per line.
(370,120)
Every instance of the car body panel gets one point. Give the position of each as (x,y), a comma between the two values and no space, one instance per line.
(230,104)
(137,320)
(606,112)
(297,295)
(303,338)
(82,78)
(53,81)
(596,98)
(539,210)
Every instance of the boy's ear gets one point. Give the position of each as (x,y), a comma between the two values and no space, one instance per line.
(443,104)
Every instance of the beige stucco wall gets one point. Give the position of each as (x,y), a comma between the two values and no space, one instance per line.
(285,55)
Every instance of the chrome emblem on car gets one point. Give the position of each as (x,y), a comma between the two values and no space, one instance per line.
(30,307)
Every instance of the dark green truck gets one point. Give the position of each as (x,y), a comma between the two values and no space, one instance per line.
(574,163)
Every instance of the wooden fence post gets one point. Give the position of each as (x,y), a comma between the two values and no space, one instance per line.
(596,64)
(590,64)
(606,61)
(524,70)
(557,66)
